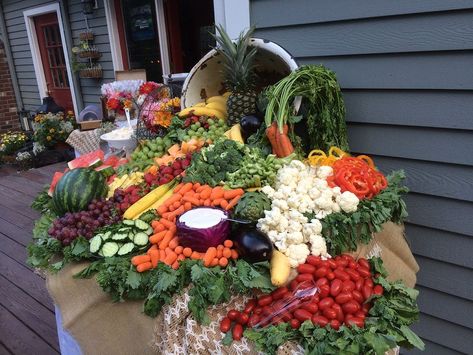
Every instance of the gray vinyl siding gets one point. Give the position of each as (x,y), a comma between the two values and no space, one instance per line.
(405,68)
(90,88)
(21,53)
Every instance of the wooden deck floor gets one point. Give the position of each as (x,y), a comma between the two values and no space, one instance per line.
(27,322)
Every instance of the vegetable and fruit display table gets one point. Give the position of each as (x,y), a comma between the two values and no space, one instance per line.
(244,228)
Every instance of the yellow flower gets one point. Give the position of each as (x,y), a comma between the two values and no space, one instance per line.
(48,138)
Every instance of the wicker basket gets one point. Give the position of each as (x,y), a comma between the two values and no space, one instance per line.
(91,73)
(92,54)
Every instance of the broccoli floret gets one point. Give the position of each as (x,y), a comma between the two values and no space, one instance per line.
(211,164)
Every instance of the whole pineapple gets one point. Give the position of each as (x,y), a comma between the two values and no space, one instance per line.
(238,63)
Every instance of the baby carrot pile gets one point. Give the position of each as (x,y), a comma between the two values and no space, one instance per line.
(165,243)
(189,195)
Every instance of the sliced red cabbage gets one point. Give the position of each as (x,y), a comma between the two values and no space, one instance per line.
(203,227)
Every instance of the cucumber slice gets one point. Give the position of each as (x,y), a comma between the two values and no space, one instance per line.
(149,231)
(131,236)
(126,249)
(100,252)
(95,243)
(110,249)
(141,239)
(128,222)
(119,236)
(124,230)
(107,235)
(141,224)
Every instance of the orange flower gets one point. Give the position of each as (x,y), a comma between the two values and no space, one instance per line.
(162,118)
(128,104)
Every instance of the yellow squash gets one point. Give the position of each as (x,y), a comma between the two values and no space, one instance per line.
(280,268)
(158,203)
(143,203)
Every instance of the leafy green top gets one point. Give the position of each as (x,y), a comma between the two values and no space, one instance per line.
(238,60)
(208,286)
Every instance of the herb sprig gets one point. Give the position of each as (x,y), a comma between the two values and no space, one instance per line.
(207,286)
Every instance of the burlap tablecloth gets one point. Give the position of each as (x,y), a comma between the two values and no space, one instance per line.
(103,327)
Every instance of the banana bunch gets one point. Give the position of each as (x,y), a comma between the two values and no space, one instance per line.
(125,181)
(234,133)
(213,106)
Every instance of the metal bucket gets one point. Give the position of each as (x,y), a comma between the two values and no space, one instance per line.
(206,78)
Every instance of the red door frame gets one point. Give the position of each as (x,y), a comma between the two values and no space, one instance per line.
(121,34)
(53,59)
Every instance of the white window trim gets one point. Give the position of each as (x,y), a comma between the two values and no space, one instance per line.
(36,54)
(233,15)
(113,35)
(163,38)
(115,42)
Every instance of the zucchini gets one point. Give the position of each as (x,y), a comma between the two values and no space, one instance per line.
(141,239)
(95,243)
(128,222)
(110,249)
(107,235)
(126,249)
(119,236)
(141,224)
(149,231)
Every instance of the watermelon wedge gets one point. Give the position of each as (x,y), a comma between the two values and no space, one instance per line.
(122,161)
(112,160)
(56,177)
(92,159)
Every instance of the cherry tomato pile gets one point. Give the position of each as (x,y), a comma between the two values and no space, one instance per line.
(344,286)
(167,173)
(357,175)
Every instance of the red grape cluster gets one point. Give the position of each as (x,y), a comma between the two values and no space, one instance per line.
(84,223)
(167,173)
(124,198)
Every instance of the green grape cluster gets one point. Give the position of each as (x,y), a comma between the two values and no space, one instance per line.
(153,148)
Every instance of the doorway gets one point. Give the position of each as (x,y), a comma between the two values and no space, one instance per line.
(189,24)
(53,61)
(161,36)
(139,36)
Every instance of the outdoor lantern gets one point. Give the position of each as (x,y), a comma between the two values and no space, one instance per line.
(25,120)
(49,105)
(88,6)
